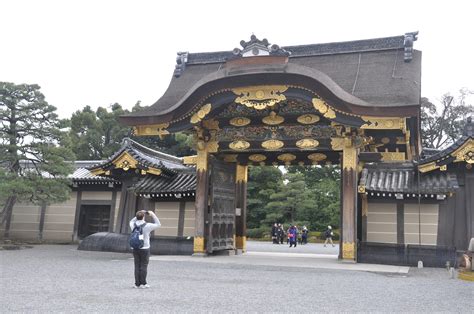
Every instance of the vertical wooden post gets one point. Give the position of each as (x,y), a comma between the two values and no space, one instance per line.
(349,201)
(241,207)
(202,198)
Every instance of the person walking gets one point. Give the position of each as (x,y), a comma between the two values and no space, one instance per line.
(304,235)
(275,234)
(281,233)
(141,256)
(328,234)
(293,235)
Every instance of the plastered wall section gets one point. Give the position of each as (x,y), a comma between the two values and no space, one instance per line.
(424,219)
(382,223)
(168,213)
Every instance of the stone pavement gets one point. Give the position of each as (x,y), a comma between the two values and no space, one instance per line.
(58,278)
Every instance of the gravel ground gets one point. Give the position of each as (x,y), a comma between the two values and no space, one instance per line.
(314,248)
(58,278)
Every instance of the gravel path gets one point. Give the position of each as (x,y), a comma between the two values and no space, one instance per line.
(58,278)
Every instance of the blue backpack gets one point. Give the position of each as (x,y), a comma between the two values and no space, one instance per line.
(136,242)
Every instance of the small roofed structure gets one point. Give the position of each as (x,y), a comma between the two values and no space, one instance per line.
(420,209)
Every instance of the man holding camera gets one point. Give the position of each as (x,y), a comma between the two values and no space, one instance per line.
(141,256)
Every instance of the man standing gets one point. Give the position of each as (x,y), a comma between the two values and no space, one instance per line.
(141,256)
(328,234)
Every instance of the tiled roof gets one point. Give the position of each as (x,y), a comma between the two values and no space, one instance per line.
(401,178)
(147,157)
(182,182)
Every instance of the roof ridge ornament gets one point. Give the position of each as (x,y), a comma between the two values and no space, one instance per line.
(181,60)
(469,127)
(256,47)
(408,44)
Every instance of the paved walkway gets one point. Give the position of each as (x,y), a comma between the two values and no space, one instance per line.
(59,278)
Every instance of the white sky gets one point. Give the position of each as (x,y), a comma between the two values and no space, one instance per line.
(100,52)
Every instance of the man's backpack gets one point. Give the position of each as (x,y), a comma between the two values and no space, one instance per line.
(136,237)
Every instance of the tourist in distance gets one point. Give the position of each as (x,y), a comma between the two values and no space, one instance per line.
(304,235)
(293,235)
(281,233)
(275,233)
(329,234)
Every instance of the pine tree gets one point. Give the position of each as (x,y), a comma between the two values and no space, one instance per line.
(31,154)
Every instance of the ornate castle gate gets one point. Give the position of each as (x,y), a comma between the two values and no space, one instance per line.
(256,107)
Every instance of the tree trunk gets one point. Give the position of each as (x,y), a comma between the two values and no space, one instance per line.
(6,215)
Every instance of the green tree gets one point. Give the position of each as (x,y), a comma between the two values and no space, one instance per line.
(262,183)
(96,135)
(442,124)
(31,151)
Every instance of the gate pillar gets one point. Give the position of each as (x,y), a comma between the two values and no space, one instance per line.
(202,198)
(241,208)
(349,200)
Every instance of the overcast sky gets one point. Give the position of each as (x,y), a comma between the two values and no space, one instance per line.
(100,52)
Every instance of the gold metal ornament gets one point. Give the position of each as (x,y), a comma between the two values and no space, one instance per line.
(239,121)
(337,143)
(286,158)
(385,140)
(257,157)
(239,145)
(465,152)
(273,144)
(198,116)
(308,119)
(260,97)
(377,123)
(307,143)
(151,129)
(348,250)
(316,157)
(393,156)
(230,158)
(273,119)
(324,108)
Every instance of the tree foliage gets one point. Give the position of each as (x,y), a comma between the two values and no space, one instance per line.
(442,124)
(31,148)
(303,195)
(96,135)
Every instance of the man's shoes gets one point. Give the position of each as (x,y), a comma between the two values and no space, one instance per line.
(135,287)
(145,286)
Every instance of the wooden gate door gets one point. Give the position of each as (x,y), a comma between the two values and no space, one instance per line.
(221,213)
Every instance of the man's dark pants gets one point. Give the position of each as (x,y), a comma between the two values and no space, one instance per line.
(141,258)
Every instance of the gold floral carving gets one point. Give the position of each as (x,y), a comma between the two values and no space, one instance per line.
(151,129)
(273,119)
(239,145)
(260,97)
(324,108)
(307,143)
(383,123)
(348,250)
(190,160)
(308,119)
(154,171)
(316,157)
(241,173)
(199,245)
(349,158)
(337,143)
(212,146)
(428,167)
(272,144)
(465,152)
(198,116)
(393,156)
(286,158)
(211,124)
(239,121)
(257,157)
(125,161)
(230,158)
